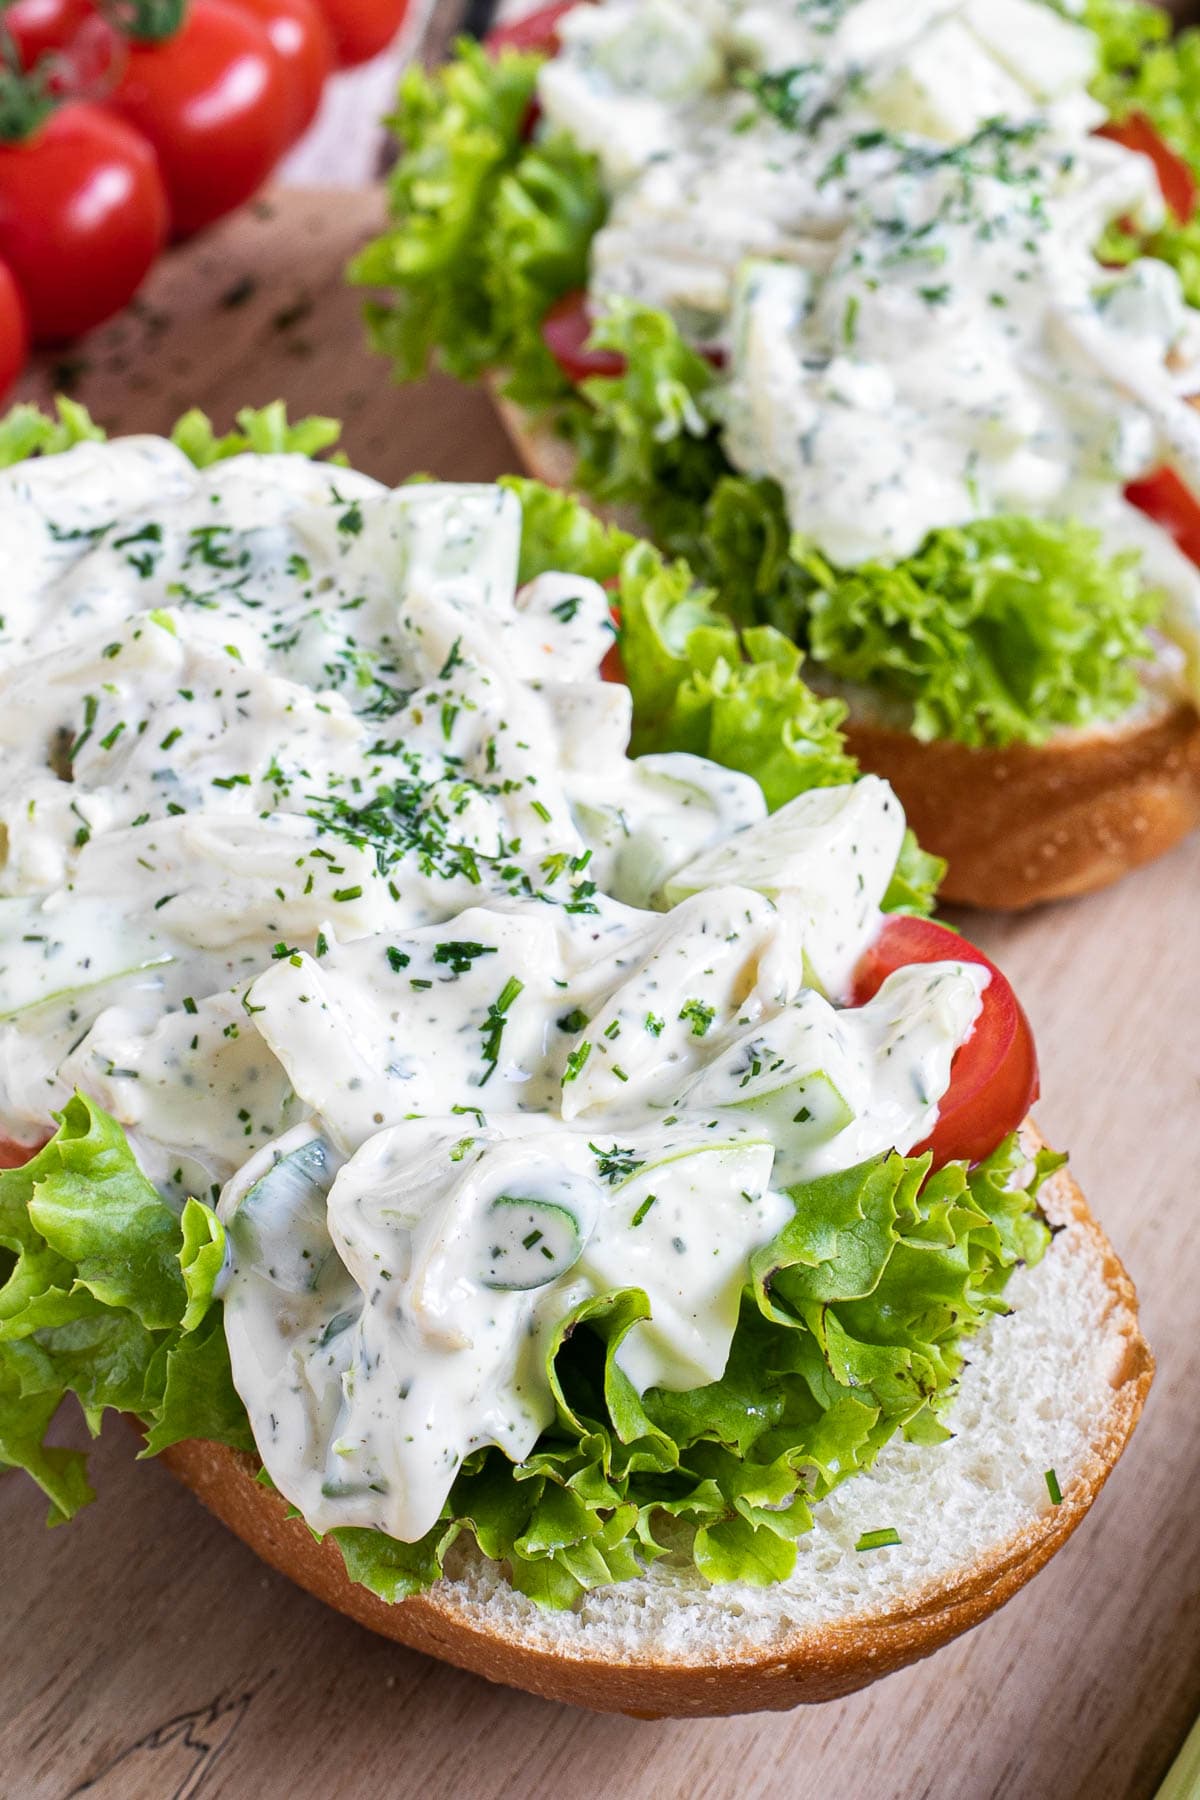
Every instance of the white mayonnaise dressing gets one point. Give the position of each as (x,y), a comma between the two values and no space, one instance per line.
(323,867)
(886,217)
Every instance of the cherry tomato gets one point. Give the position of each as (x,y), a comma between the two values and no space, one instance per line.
(82,217)
(39,27)
(536,32)
(1175,178)
(216,103)
(994,1076)
(303,42)
(14,336)
(565,332)
(1165,499)
(362,28)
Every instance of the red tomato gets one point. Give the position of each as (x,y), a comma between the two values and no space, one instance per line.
(14,1156)
(216,103)
(1165,499)
(304,44)
(362,28)
(613,667)
(537,31)
(994,1076)
(41,26)
(1175,178)
(14,336)
(565,332)
(82,217)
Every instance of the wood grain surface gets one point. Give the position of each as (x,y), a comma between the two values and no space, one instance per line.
(146,1653)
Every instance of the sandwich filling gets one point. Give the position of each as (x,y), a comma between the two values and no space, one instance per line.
(851,273)
(435,1038)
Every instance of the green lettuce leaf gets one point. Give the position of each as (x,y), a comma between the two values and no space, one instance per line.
(26,431)
(262,430)
(698,683)
(644,438)
(103,1295)
(557,532)
(201,1259)
(853,1328)
(1144,69)
(995,633)
(915,880)
(488,228)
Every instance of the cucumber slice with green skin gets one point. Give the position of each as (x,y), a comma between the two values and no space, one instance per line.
(279,1228)
(530,1243)
(803,1109)
(50,954)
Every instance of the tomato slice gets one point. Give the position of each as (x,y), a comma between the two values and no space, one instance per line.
(537,32)
(1164,498)
(612,668)
(565,332)
(994,1076)
(15,1156)
(1175,177)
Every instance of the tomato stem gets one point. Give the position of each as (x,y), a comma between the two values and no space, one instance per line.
(148,21)
(25,100)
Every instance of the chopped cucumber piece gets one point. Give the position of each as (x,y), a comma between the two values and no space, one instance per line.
(789,1106)
(279,1228)
(530,1243)
(50,952)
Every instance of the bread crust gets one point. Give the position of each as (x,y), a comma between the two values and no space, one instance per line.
(820,1663)
(1033,823)
(1022,825)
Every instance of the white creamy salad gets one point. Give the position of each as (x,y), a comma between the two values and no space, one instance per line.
(883,217)
(324,869)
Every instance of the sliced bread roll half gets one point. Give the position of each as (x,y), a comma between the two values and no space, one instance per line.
(1056,1384)
(1017,826)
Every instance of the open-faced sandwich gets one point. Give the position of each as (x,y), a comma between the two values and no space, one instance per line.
(883,315)
(569,1217)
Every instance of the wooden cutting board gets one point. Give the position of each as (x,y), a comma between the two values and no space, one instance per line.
(147,1653)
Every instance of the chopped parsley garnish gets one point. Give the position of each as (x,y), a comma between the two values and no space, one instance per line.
(643,1209)
(459,954)
(492,1029)
(698,1015)
(616,1164)
(878,1540)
